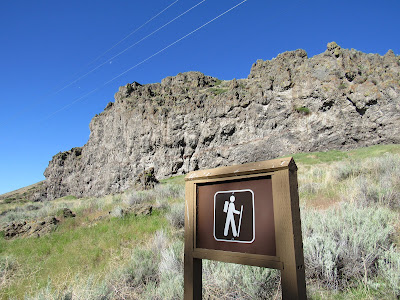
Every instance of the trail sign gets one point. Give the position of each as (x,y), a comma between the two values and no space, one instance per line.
(231,210)
(247,214)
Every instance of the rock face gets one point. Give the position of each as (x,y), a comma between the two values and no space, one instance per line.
(35,228)
(339,99)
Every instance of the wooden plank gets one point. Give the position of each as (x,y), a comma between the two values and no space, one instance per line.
(219,179)
(239,258)
(287,224)
(245,169)
(192,266)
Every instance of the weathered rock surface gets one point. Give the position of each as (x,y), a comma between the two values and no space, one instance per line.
(146,180)
(35,228)
(138,210)
(67,213)
(339,99)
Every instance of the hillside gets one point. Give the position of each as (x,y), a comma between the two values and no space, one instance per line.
(350,208)
(339,99)
(24,194)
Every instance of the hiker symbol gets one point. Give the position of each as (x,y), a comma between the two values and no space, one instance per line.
(234,216)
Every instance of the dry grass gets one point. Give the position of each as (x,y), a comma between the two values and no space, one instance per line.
(350,209)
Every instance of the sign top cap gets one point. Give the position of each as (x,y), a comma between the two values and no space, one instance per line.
(244,169)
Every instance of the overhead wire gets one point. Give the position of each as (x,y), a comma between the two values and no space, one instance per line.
(143,61)
(50,94)
(133,32)
(131,46)
(123,39)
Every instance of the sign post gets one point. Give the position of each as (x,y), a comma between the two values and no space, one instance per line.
(246,214)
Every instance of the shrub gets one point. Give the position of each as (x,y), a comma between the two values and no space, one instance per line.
(165,192)
(8,265)
(176,215)
(344,170)
(310,187)
(142,268)
(169,191)
(117,212)
(231,281)
(389,267)
(303,110)
(135,198)
(343,245)
(171,272)
(82,288)
(382,190)
(160,241)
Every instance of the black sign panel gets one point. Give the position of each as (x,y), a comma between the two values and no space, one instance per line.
(234,216)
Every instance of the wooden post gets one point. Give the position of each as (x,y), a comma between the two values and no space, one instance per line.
(192,266)
(288,233)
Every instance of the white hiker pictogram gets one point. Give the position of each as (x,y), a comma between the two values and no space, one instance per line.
(230,209)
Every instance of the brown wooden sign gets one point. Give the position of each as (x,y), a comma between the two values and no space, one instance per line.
(247,214)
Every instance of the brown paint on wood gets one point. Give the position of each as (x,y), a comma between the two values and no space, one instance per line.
(245,169)
(264,240)
(192,266)
(287,228)
(266,261)
(288,255)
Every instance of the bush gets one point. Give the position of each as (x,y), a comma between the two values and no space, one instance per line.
(142,268)
(371,181)
(383,190)
(343,245)
(8,265)
(303,110)
(88,288)
(389,267)
(135,198)
(344,170)
(169,191)
(232,281)
(176,215)
(117,212)
(171,272)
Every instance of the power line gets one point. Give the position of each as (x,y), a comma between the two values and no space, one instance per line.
(131,46)
(143,61)
(50,94)
(119,42)
(133,32)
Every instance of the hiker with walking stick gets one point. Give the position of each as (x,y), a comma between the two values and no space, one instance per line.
(230,209)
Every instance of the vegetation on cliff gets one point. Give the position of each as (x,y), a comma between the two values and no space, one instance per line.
(339,99)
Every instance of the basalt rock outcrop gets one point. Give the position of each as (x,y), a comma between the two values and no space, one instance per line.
(339,99)
(35,228)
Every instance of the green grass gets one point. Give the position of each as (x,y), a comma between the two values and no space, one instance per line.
(85,257)
(75,250)
(218,82)
(313,158)
(303,110)
(218,91)
(180,180)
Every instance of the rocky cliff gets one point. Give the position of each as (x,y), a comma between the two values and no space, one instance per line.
(338,99)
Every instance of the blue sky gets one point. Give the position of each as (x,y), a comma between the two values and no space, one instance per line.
(46,46)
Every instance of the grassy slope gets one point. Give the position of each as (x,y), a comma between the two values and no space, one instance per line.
(85,247)
(336,155)
(20,195)
(76,247)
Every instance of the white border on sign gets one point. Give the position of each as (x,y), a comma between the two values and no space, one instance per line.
(254,225)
